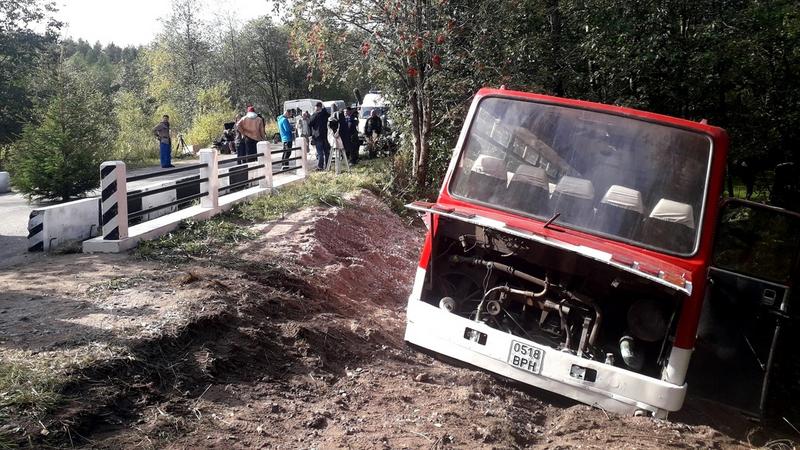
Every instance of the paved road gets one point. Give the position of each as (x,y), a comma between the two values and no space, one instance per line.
(15,209)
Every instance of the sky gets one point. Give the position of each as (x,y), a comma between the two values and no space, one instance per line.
(136,22)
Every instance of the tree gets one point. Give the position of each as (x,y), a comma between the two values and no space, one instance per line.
(59,154)
(184,57)
(214,109)
(20,47)
(401,40)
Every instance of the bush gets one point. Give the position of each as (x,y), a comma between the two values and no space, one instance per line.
(271,128)
(59,155)
(214,109)
(135,141)
(207,128)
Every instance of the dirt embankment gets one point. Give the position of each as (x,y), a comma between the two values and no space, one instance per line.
(293,340)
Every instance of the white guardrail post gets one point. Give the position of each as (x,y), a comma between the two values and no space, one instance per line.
(265,159)
(304,155)
(209,157)
(114,200)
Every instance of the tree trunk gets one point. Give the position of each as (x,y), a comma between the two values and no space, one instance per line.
(416,130)
(424,148)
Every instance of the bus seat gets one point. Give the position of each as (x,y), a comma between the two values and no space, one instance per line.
(670,226)
(527,190)
(620,212)
(574,199)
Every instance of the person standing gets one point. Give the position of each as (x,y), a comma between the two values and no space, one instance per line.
(238,140)
(348,131)
(161,132)
(303,130)
(373,129)
(319,132)
(285,129)
(252,128)
(335,121)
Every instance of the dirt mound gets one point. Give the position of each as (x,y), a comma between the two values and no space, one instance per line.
(295,340)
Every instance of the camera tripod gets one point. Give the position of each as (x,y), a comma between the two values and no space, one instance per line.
(181,148)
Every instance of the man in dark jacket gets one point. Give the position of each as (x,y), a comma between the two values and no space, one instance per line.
(161,132)
(348,131)
(319,133)
(372,129)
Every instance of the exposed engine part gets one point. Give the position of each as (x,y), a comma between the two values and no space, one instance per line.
(494,307)
(447,304)
(609,359)
(591,327)
(584,335)
(648,320)
(504,268)
(598,315)
(630,354)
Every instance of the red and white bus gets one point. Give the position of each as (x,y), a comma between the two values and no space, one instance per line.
(571,248)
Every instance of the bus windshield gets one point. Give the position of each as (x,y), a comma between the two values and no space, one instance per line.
(620,177)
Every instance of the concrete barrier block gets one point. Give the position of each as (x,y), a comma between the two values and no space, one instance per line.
(58,226)
(5,182)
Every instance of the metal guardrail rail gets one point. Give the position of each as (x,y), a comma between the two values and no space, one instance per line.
(204,185)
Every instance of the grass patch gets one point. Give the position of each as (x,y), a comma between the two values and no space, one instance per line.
(212,237)
(195,240)
(319,189)
(27,387)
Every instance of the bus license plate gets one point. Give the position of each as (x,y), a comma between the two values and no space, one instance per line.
(526,357)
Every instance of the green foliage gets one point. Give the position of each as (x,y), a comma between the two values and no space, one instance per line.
(322,188)
(214,109)
(195,240)
(134,141)
(58,156)
(270,127)
(27,29)
(5,154)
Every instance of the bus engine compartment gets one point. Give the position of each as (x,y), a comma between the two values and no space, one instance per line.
(556,298)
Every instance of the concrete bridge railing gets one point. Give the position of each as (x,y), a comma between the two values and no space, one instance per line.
(124,217)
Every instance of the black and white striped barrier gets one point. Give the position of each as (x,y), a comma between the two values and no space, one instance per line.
(216,189)
(151,202)
(65,224)
(36,231)
(113,200)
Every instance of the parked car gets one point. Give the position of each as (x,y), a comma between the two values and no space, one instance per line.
(572,247)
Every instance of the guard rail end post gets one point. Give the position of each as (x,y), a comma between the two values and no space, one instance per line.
(304,155)
(265,158)
(114,200)
(210,158)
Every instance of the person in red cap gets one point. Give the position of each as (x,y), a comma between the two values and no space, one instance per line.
(252,128)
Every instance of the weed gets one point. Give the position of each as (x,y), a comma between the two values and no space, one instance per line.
(26,386)
(319,189)
(208,238)
(195,239)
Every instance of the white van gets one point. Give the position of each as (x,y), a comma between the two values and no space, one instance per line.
(304,104)
(340,105)
(372,100)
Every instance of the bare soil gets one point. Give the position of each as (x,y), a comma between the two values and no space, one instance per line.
(291,340)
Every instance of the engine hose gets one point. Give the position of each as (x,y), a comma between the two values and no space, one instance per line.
(504,268)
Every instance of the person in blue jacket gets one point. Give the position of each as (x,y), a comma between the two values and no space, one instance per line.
(287,135)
